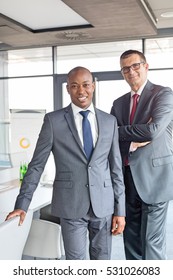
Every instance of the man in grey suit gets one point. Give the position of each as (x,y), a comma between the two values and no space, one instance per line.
(88,193)
(147,155)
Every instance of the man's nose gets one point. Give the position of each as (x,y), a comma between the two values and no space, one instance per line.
(80,88)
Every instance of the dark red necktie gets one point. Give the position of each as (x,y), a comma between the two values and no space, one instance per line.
(134,106)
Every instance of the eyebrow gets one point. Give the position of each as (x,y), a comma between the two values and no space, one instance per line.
(82,82)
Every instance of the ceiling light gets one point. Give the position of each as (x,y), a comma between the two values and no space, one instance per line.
(70,35)
(167,15)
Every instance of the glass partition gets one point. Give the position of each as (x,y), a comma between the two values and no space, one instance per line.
(4,112)
(30,62)
(162,77)
(108,91)
(31,93)
(159,52)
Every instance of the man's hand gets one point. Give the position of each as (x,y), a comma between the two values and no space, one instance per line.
(136,145)
(17,212)
(118,224)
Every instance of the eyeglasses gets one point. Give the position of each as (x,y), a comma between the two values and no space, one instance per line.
(134,66)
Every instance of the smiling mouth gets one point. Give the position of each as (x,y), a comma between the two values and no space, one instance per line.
(81,99)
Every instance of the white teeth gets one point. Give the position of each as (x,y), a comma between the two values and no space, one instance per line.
(82,98)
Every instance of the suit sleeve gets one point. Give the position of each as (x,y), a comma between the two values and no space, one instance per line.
(117,175)
(159,119)
(36,166)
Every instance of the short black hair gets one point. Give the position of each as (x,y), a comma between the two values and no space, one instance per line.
(78,68)
(130,52)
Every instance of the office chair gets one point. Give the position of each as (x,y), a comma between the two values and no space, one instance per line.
(13,237)
(45,214)
(44,240)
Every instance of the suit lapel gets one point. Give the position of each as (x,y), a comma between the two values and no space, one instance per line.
(145,96)
(100,124)
(126,104)
(72,126)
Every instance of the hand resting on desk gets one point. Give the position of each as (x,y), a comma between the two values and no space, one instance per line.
(17,212)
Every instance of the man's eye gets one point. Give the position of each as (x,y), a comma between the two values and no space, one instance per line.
(74,86)
(86,85)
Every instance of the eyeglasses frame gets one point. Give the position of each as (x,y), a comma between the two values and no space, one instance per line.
(131,67)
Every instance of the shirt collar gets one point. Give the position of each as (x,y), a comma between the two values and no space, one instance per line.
(139,90)
(77,109)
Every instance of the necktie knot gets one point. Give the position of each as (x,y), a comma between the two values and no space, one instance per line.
(135,96)
(84,113)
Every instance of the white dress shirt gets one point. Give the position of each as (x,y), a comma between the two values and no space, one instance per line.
(138,92)
(92,119)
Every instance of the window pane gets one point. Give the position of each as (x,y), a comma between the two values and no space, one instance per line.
(31,93)
(108,91)
(161,77)
(66,100)
(95,57)
(30,62)
(4,136)
(159,52)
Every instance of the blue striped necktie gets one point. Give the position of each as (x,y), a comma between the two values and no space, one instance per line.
(87,134)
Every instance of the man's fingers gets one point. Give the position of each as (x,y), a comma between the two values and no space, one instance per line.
(16,213)
(22,217)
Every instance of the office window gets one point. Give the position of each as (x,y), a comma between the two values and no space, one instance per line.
(95,57)
(162,77)
(159,52)
(31,93)
(30,62)
(108,91)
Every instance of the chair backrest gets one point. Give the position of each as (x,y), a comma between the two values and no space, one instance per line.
(44,240)
(13,237)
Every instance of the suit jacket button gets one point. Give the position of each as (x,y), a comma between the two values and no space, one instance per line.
(87,186)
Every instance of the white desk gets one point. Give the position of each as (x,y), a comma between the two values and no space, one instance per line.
(3,215)
(42,197)
(9,174)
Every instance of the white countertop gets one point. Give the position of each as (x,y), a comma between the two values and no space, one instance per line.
(9,174)
(8,193)
(9,189)
(3,215)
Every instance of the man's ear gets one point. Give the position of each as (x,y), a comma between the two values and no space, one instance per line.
(147,66)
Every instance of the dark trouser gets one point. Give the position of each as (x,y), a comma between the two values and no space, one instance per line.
(145,231)
(75,237)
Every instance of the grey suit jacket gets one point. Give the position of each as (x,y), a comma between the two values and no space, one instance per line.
(78,183)
(152,165)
